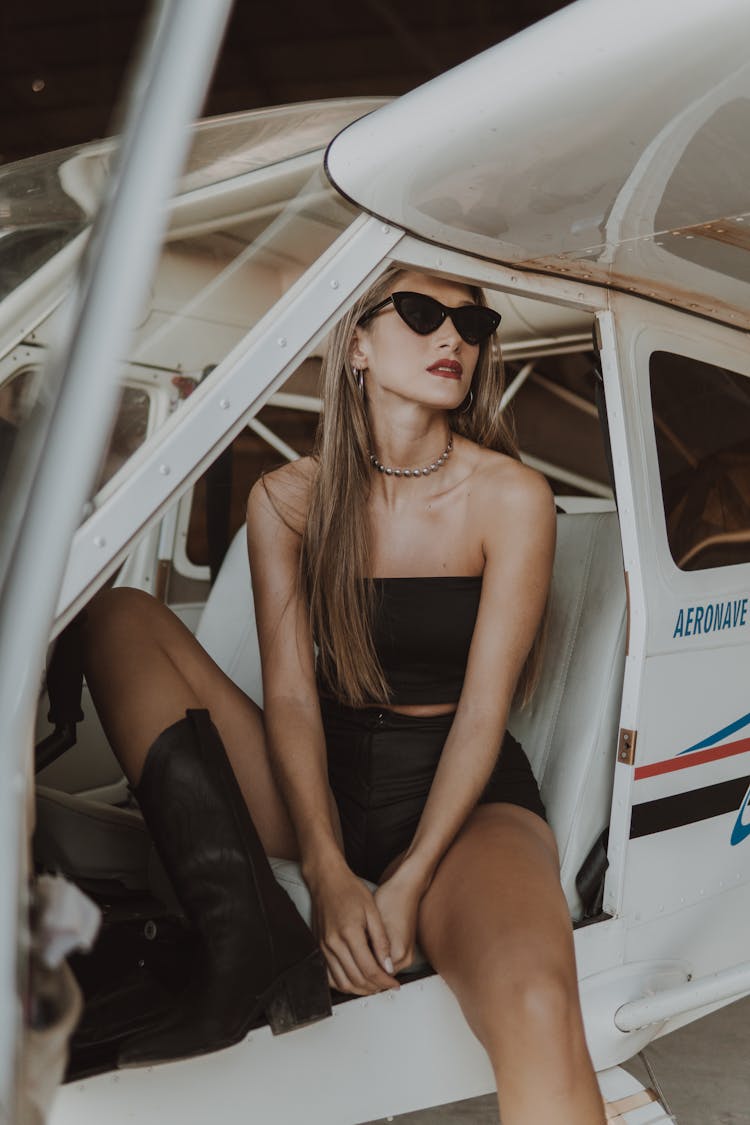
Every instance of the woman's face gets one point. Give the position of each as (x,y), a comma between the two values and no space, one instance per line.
(434,370)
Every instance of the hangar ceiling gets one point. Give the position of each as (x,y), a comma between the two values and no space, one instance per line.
(62,63)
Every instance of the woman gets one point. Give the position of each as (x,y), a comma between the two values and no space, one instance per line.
(415,551)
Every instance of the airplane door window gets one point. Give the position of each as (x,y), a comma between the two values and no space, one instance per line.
(702,422)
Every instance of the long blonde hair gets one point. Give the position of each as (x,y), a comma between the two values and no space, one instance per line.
(335,559)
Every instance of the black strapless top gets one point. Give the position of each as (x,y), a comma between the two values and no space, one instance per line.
(422,630)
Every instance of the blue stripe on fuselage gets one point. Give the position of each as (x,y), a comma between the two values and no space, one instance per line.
(723,733)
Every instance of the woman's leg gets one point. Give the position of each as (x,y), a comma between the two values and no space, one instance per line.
(157,693)
(145,669)
(495,925)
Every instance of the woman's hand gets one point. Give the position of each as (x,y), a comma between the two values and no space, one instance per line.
(347,923)
(398,901)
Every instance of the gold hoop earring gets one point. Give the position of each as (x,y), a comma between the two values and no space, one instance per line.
(469,404)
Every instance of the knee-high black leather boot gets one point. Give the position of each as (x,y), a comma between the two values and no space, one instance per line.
(258,956)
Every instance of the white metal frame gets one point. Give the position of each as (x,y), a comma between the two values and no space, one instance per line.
(219,407)
(623,468)
(671,334)
(46,506)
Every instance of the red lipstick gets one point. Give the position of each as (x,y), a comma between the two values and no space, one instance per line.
(448,368)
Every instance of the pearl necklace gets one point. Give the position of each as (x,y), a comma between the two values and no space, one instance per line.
(433,468)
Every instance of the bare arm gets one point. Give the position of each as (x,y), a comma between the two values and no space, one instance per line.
(346,919)
(291,711)
(518,522)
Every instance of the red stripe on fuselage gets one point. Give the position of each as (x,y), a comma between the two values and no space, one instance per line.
(713,754)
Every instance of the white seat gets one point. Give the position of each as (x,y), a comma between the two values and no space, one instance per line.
(569,731)
(227,625)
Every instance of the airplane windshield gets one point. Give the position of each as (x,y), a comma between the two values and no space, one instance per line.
(252,211)
(38,218)
(45,201)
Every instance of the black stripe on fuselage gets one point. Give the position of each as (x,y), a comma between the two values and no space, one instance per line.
(687,808)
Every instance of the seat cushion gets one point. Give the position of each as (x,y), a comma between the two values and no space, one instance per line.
(227,625)
(569,730)
(91,841)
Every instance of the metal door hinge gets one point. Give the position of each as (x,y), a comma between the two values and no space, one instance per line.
(626,746)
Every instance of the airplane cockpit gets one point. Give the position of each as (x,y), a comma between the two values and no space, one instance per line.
(623,295)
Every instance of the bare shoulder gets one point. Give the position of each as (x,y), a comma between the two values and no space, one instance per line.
(283,496)
(507,484)
(512,505)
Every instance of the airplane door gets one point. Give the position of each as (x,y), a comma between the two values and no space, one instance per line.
(679,413)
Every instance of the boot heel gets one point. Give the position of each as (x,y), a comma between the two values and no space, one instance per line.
(300,996)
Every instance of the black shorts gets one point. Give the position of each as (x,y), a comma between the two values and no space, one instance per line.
(380,767)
